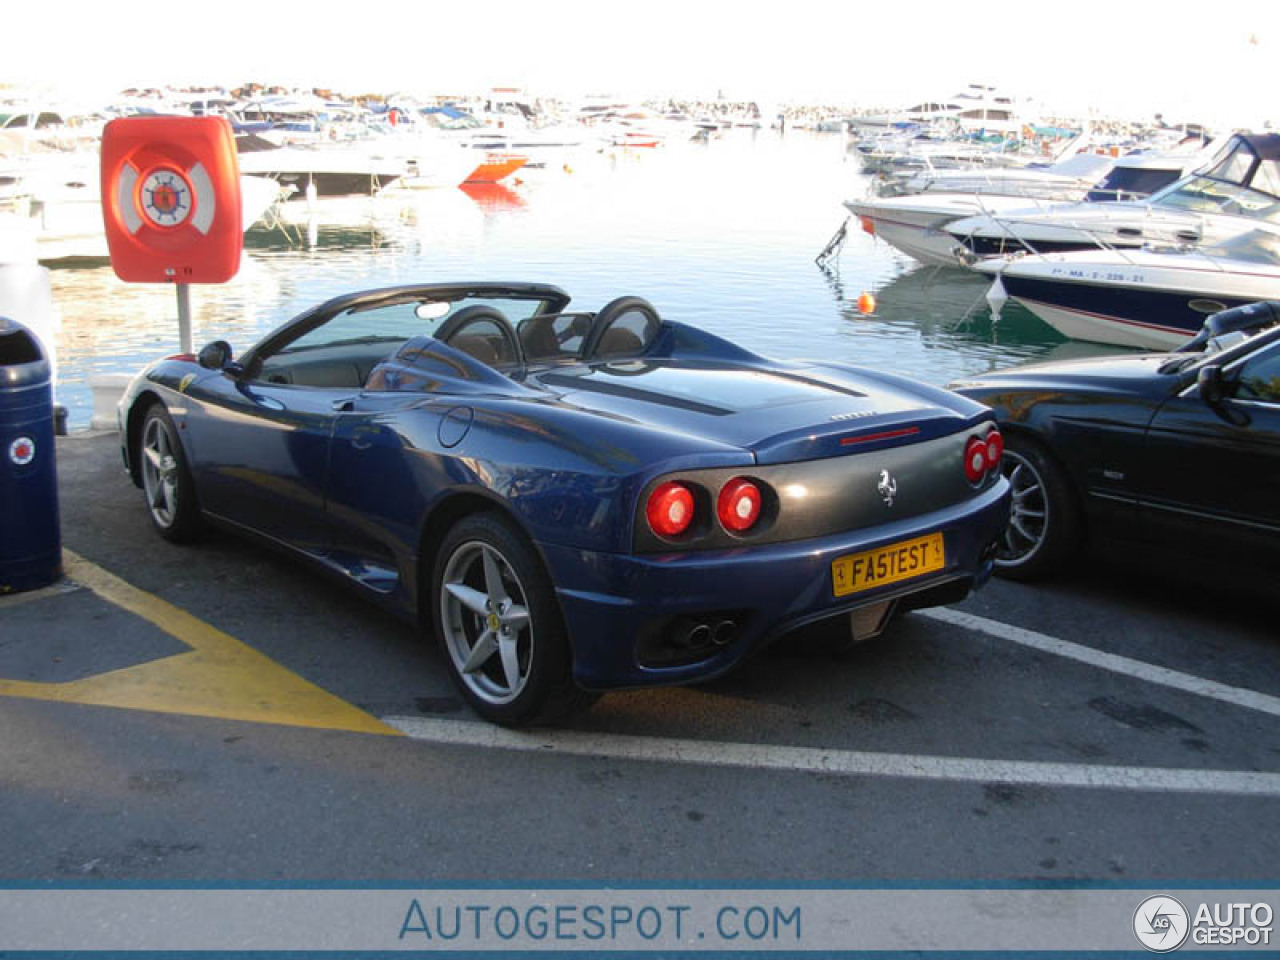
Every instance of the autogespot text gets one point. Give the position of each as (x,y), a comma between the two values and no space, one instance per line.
(490,925)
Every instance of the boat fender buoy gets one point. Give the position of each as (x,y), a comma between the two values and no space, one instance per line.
(866,303)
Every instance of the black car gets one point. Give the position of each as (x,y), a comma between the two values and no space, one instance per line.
(1181,449)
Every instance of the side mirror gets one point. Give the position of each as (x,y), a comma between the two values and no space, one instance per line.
(1212,385)
(215,356)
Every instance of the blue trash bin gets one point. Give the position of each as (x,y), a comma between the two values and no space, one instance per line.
(30,536)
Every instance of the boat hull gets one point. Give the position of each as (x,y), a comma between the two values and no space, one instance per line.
(496,167)
(929,245)
(69,226)
(1140,313)
(916,224)
(333,184)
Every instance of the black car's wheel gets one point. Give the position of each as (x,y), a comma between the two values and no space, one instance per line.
(499,626)
(1044,525)
(166,479)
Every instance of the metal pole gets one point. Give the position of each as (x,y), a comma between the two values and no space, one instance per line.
(184,318)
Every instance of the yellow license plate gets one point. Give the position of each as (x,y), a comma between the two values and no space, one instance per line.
(898,561)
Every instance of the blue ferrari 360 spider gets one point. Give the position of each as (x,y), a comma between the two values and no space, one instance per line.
(572,501)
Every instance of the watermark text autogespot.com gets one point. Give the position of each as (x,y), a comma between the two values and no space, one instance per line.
(614,923)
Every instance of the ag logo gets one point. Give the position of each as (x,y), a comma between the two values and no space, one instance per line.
(22,451)
(1161,923)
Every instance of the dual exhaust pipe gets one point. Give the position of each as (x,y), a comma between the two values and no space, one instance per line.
(694,634)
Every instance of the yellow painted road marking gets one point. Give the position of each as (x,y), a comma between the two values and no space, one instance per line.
(219,677)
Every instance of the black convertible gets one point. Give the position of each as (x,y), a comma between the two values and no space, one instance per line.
(1180,449)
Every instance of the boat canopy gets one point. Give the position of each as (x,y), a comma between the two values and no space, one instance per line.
(1132,182)
(1250,161)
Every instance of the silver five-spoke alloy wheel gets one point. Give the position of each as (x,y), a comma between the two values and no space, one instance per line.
(488,631)
(160,472)
(1029,516)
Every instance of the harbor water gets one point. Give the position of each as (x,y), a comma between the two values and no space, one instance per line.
(722,234)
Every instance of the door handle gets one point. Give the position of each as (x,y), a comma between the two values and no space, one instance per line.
(345,405)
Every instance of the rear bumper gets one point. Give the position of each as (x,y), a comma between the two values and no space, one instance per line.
(615,605)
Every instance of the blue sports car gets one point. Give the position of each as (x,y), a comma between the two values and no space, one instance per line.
(572,501)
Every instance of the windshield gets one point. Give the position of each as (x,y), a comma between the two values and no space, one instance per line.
(1128,183)
(1205,195)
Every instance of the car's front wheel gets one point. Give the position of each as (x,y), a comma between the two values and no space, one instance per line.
(499,626)
(166,479)
(1044,528)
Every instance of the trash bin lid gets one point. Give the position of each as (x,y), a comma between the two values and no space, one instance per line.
(22,360)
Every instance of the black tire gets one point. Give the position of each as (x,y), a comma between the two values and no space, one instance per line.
(168,489)
(494,611)
(1045,527)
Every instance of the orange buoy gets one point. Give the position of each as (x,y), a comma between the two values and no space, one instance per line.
(866,303)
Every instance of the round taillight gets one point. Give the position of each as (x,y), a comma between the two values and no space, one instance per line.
(995,449)
(670,510)
(975,459)
(738,505)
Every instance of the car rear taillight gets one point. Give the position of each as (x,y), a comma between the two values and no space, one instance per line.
(738,505)
(670,509)
(995,449)
(975,459)
(982,455)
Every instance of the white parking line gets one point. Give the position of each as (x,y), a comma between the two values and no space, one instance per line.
(1237,696)
(852,763)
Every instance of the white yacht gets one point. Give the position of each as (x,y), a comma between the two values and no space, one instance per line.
(1234,191)
(1153,299)
(339,169)
(55,203)
(923,225)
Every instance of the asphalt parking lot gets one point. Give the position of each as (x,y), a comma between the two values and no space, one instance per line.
(219,713)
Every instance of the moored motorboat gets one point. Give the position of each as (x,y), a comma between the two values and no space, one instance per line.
(914,224)
(1152,299)
(1235,191)
(922,223)
(929,224)
(495,167)
(58,210)
(321,170)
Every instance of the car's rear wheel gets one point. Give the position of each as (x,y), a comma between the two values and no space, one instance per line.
(166,478)
(499,626)
(1044,523)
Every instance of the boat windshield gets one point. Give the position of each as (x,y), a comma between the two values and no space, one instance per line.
(1245,166)
(1201,194)
(1244,181)
(1131,183)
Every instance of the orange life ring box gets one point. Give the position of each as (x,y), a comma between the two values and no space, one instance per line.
(171,199)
